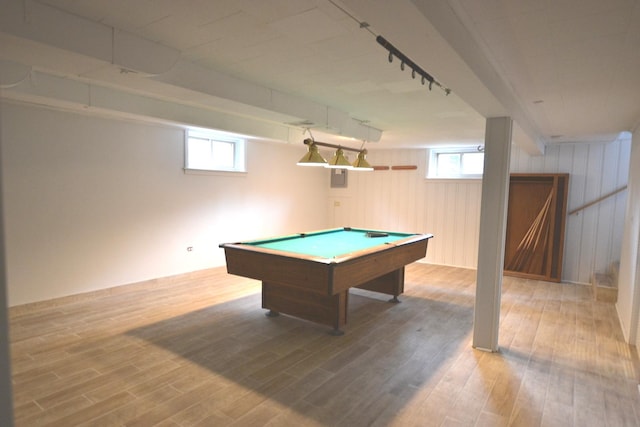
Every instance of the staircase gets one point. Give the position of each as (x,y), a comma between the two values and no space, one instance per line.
(605,285)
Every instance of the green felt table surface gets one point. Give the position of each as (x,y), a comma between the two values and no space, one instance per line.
(329,243)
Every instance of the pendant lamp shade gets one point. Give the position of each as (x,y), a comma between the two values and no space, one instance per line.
(361,162)
(312,158)
(339,161)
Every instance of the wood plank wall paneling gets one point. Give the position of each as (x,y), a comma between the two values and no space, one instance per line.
(593,236)
(405,200)
(450,209)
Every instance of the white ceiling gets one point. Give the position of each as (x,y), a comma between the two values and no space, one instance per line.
(565,70)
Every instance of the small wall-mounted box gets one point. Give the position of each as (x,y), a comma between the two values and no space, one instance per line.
(339,178)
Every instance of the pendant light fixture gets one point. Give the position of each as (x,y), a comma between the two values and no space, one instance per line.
(338,161)
(313,157)
(361,162)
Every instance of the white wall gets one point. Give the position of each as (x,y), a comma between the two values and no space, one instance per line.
(450,209)
(94,202)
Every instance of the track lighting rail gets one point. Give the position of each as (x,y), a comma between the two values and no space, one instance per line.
(415,68)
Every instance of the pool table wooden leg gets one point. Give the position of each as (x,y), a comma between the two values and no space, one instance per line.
(391,284)
(330,310)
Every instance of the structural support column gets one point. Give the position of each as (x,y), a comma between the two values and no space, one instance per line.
(633,200)
(493,224)
(6,397)
(628,304)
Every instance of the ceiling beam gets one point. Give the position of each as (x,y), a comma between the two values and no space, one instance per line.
(123,59)
(450,23)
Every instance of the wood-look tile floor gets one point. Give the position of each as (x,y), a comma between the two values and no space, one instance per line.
(198,350)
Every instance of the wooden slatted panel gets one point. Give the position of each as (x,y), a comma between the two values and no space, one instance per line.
(405,200)
(594,236)
(450,209)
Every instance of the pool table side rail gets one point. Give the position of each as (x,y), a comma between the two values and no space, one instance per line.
(296,236)
(357,271)
(273,266)
(318,232)
(249,246)
(276,252)
(326,276)
(382,247)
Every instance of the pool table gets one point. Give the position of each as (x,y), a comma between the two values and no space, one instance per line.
(308,275)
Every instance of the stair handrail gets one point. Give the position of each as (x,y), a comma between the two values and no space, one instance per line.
(598,200)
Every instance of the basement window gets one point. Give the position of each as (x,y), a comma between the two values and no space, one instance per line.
(213,151)
(456,163)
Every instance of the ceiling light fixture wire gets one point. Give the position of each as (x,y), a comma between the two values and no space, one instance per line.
(393,51)
(308,130)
